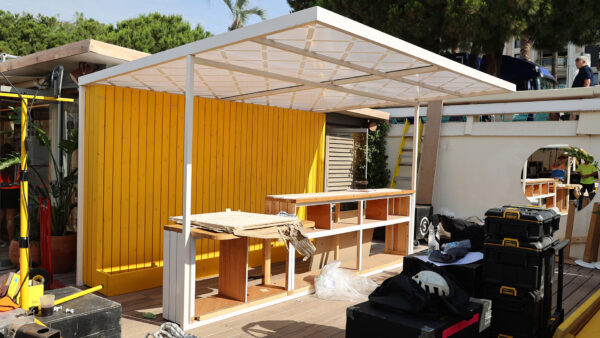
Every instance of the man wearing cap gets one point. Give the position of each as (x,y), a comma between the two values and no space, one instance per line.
(584,76)
(559,167)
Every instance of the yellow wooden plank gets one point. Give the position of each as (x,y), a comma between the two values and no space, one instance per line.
(314,152)
(99,178)
(134,220)
(260,160)
(321,176)
(294,158)
(213,157)
(172,165)
(289,151)
(125,174)
(226,155)
(108,152)
(268,127)
(231,188)
(196,167)
(164,166)
(157,176)
(275,186)
(117,179)
(238,155)
(220,206)
(244,158)
(149,178)
(205,180)
(141,179)
(180,139)
(207,154)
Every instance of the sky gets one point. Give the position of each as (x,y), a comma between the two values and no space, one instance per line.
(213,15)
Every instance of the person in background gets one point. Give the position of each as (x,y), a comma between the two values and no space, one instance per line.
(559,168)
(588,172)
(584,76)
(9,194)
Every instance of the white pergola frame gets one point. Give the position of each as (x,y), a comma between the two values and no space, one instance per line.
(259,34)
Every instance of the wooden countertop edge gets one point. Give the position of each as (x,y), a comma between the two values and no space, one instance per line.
(331,199)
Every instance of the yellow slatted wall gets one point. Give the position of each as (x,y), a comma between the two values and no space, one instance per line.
(133,174)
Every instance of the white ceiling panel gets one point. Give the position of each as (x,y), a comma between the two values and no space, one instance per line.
(311,60)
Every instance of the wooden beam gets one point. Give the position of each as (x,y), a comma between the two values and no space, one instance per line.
(569,230)
(261,73)
(429,153)
(591,247)
(368,113)
(367,70)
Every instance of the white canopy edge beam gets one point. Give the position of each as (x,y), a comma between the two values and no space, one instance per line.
(548,106)
(325,58)
(255,72)
(355,79)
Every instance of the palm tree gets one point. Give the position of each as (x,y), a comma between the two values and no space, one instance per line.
(240,12)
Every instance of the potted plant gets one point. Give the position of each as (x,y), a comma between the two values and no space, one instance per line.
(61,192)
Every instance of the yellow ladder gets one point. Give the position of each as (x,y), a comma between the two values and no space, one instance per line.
(399,162)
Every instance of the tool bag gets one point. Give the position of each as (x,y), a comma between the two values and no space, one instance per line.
(402,294)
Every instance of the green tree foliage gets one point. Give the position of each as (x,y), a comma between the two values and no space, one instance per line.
(153,33)
(240,11)
(22,34)
(480,27)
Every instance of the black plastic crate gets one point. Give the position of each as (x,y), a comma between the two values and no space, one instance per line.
(523,223)
(519,264)
(515,312)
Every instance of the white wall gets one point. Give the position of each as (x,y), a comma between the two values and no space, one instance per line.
(482,170)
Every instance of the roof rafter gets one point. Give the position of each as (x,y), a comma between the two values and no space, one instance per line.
(318,56)
(355,79)
(285,78)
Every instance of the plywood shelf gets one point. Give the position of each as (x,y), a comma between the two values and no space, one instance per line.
(351,224)
(212,306)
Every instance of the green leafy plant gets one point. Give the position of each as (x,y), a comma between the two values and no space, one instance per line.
(581,154)
(378,175)
(62,190)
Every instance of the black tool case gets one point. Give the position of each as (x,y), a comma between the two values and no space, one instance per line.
(509,261)
(515,312)
(522,312)
(523,223)
(366,320)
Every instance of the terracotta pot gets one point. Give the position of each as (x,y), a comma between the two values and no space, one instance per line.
(64,251)
(34,252)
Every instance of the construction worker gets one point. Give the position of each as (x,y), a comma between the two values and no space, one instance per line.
(9,193)
(559,168)
(588,172)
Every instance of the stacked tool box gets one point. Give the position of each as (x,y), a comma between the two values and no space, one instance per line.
(519,254)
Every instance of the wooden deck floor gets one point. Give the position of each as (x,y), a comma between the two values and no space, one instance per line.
(302,317)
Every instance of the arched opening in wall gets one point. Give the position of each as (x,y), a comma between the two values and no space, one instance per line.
(554,175)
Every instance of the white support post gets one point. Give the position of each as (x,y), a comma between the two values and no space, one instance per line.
(413,179)
(415,151)
(187,283)
(524,178)
(291,266)
(80,186)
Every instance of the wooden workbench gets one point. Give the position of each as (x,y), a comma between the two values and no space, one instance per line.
(390,208)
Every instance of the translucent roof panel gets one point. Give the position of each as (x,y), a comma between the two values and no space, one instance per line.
(311,60)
